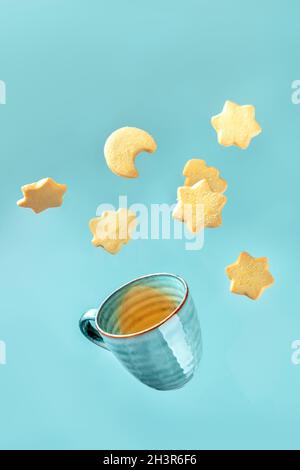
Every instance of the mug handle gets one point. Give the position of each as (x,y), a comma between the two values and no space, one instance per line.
(87,326)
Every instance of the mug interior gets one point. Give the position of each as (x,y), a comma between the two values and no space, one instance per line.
(141,305)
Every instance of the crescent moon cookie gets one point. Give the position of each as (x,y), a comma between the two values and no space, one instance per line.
(113,229)
(199,206)
(42,195)
(123,145)
(196,170)
(249,276)
(236,125)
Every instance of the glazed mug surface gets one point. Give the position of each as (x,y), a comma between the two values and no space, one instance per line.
(150,324)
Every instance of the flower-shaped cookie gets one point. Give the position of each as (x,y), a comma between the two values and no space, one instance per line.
(113,229)
(199,206)
(196,170)
(249,276)
(42,195)
(236,125)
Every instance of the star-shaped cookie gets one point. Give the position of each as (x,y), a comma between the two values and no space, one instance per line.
(42,195)
(113,229)
(249,276)
(199,206)
(196,170)
(236,125)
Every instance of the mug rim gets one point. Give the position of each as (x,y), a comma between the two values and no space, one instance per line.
(156,325)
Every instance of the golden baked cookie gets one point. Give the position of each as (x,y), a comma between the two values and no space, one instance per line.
(113,229)
(199,206)
(123,145)
(236,125)
(249,276)
(42,195)
(196,170)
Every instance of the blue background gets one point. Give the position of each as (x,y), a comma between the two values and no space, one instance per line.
(75,71)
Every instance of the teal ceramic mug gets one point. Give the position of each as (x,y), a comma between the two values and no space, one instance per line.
(150,324)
